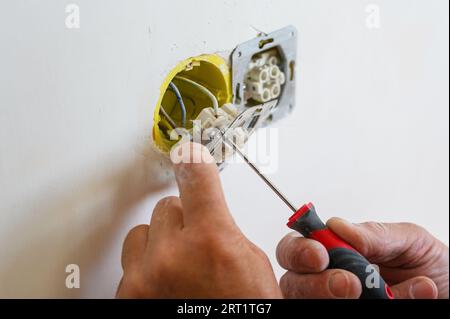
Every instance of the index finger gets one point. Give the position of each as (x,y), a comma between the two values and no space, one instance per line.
(199,184)
(387,243)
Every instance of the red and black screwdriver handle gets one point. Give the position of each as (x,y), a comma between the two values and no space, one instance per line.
(342,255)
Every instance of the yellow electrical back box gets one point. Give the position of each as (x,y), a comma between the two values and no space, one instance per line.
(210,71)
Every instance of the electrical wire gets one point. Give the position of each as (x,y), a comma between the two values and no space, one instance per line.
(204,90)
(168,118)
(180,101)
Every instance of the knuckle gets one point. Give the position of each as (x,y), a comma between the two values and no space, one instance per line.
(222,247)
(165,206)
(207,240)
(166,202)
(422,243)
(376,238)
(133,285)
(262,255)
(288,286)
(137,229)
(285,282)
(134,232)
(415,228)
(283,250)
(377,227)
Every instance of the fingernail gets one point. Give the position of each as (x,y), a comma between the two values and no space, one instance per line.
(339,220)
(423,289)
(344,221)
(338,285)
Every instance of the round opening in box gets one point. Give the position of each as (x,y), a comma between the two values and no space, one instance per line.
(190,78)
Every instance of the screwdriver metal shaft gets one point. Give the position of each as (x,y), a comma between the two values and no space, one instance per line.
(261,175)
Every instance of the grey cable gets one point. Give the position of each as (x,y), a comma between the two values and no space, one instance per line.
(168,118)
(204,90)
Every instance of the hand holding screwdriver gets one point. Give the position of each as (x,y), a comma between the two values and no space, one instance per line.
(192,248)
(411,260)
(342,255)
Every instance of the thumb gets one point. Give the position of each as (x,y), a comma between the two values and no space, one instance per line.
(199,184)
(416,288)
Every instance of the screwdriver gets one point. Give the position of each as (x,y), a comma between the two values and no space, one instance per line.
(341,255)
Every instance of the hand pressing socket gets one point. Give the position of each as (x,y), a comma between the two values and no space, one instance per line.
(192,247)
(412,261)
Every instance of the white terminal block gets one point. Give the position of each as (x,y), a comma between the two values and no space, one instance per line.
(230,109)
(209,118)
(210,124)
(263,92)
(274,71)
(254,87)
(264,57)
(257,63)
(273,60)
(258,91)
(263,96)
(282,78)
(259,74)
(275,89)
(265,78)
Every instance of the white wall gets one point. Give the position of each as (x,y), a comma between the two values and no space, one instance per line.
(76,170)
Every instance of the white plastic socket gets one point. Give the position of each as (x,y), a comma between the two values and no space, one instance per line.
(259,74)
(273,60)
(274,71)
(275,89)
(263,96)
(265,78)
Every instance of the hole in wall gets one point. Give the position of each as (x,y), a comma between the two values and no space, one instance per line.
(208,71)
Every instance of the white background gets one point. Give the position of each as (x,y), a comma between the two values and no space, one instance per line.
(368,139)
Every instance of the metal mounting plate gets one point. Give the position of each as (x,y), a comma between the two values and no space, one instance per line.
(285,40)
